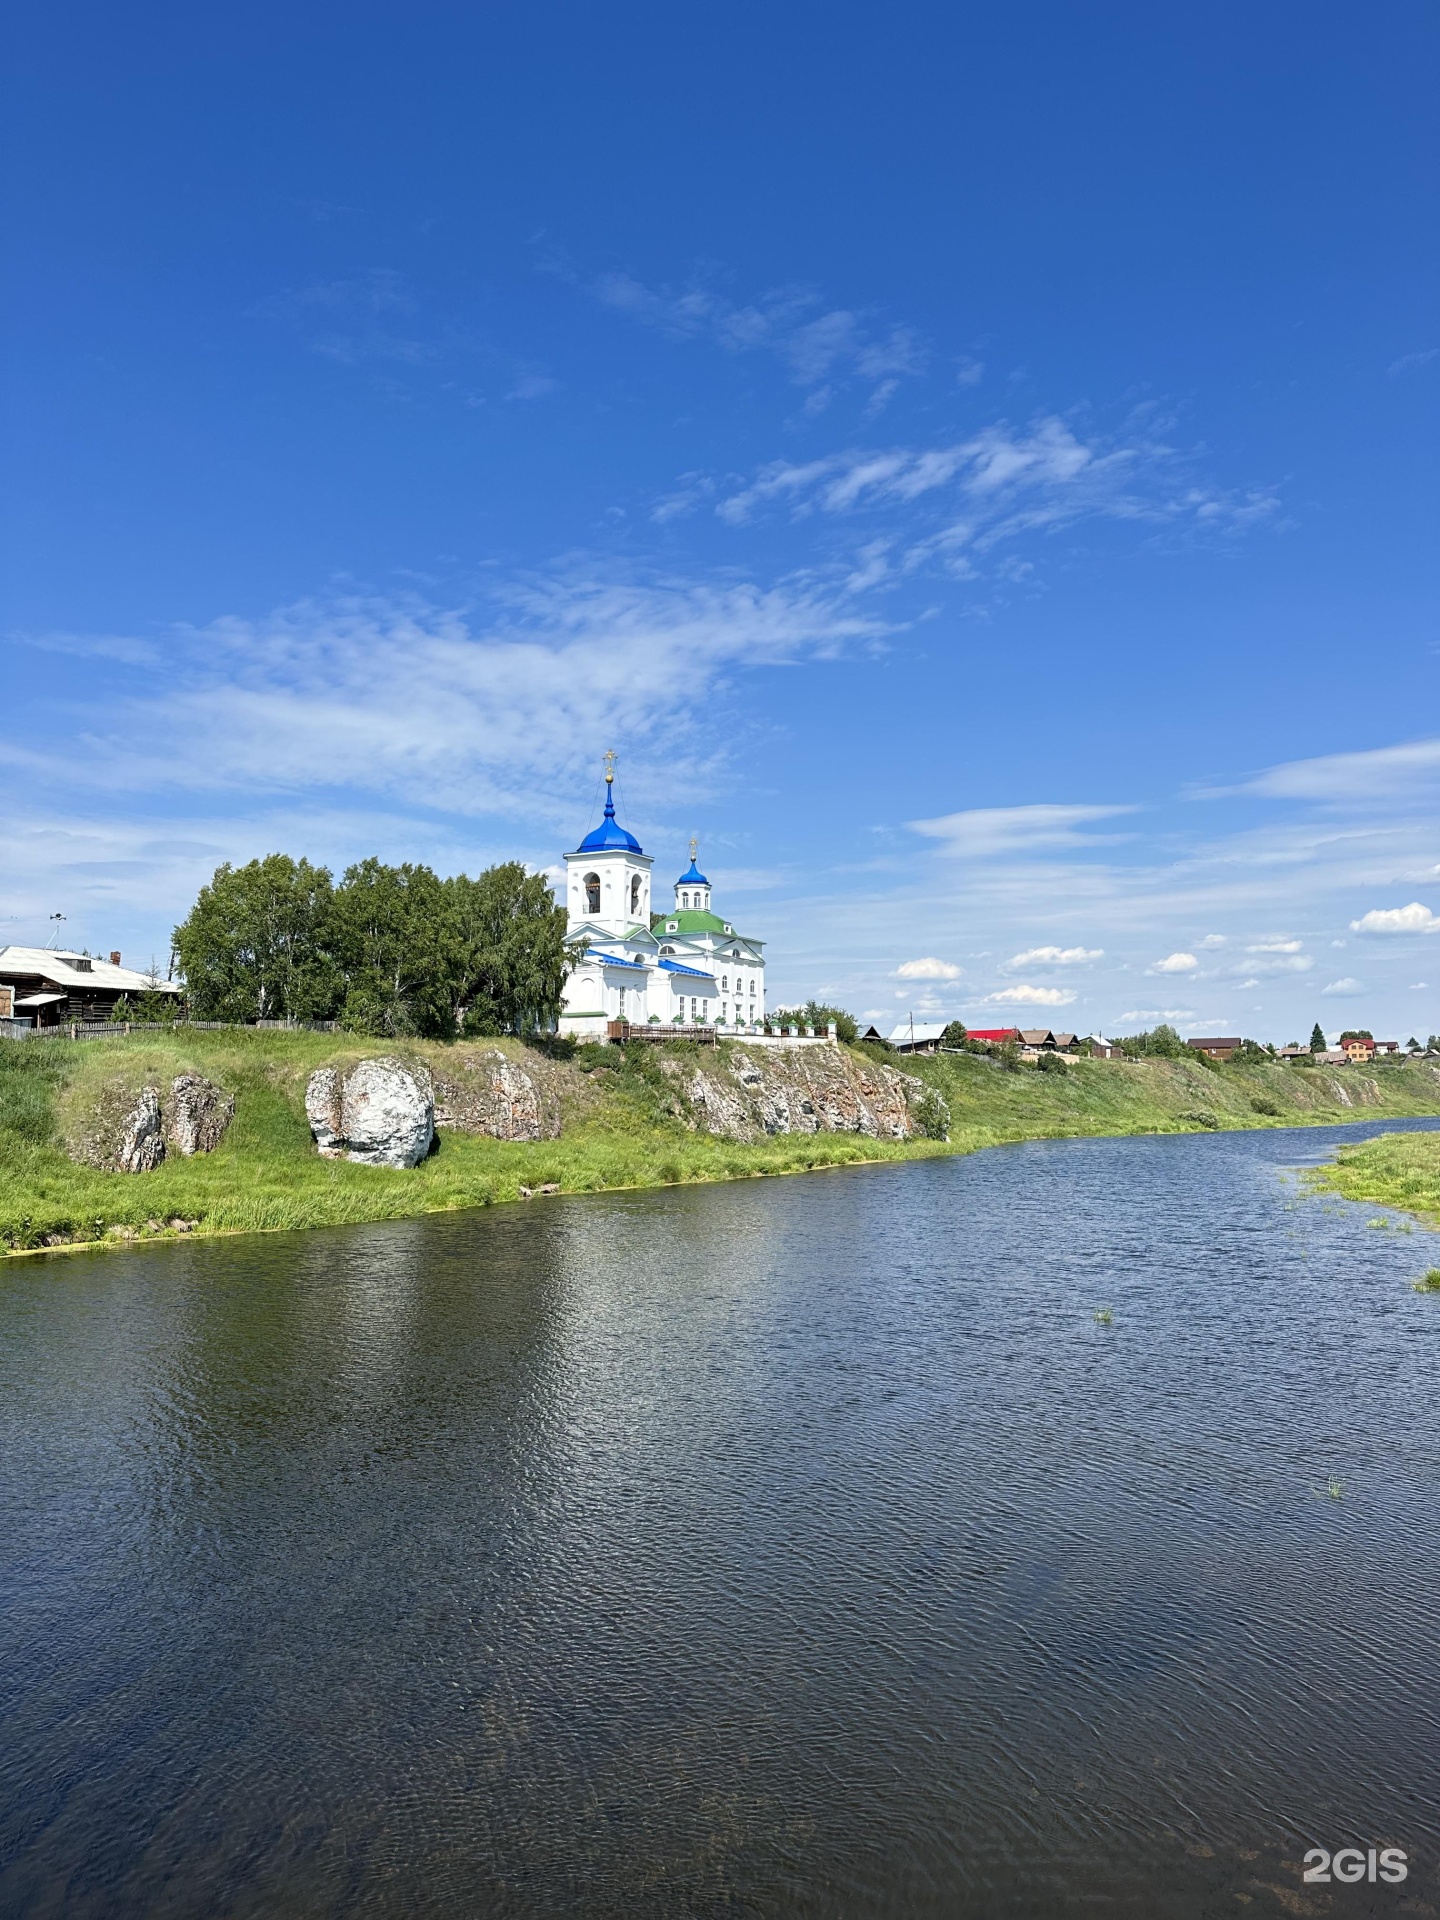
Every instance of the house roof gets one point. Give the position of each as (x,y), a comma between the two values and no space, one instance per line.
(690,920)
(697,973)
(993,1034)
(918,1030)
(1035,1036)
(1224,1040)
(59,968)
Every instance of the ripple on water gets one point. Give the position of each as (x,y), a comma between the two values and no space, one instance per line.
(798,1547)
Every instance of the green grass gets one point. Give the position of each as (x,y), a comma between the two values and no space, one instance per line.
(620,1129)
(1399,1170)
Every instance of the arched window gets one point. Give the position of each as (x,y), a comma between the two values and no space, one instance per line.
(635,893)
(592,893)
(684,899)
(724,983)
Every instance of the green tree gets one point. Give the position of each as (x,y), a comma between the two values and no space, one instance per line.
(955,1034)
(1356,1033)
(819,1016)
(254,945)
(510,958)
(392,932)
(1162,1042)
(1317,1038)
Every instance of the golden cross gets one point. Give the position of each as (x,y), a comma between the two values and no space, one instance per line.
(694,849)
(610,764)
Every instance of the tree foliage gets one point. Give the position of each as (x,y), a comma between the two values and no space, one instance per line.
(1317,1038)
(392,950)
(255,944)
(1161,1042)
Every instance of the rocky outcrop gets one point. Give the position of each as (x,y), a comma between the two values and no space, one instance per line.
(127,1129)
(141,1146)
(486,1092)
(197,1114)
(812,1089)
(379,1114)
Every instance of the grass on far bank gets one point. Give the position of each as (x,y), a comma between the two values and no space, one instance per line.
(619,1128)
(266,1174)
(1399,1170)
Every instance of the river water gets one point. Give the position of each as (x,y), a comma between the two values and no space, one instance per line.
(794,1547)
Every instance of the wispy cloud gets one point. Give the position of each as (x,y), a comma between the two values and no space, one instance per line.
(1377,774)
(1345,989)
(474,708)
(958,501)
(1155,1013)
(821,347)
(979,832)
(1409,361)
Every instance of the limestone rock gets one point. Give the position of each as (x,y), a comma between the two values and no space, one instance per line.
(197,1114)
(489,1093)
(141,1146)
(380,1114)
(803,1090)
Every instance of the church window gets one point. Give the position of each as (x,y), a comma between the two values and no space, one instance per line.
(725,983)
(592,893)
(752,986)
(635,893)
(684,899)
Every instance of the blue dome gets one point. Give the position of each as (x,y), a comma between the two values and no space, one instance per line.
(609,836)
(694,878)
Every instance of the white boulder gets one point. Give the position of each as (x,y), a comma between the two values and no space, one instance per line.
(379,1114)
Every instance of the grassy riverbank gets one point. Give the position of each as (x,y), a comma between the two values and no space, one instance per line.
(621,1126)
(1396,1170)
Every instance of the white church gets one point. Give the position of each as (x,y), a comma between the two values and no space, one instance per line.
(679,966)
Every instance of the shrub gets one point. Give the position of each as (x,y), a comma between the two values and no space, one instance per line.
(1201,1117)
(1050,1063)
(932,1116)
(1262,1104)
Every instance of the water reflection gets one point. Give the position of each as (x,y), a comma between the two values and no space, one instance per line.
(791,1547)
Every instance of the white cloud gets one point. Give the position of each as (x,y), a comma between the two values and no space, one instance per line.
(1156,1013)
(1345,988)
(980,831)
(1213,940)
(1376,774)
(819,346)
(1275,946)
(929,969)
(1026,996)
(484,711)
(1407,361)
(1054,957)
(995,485)
(1175,963)
(1411,919)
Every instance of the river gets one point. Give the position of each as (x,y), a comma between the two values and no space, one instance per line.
(792,1547)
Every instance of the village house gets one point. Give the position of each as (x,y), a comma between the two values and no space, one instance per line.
(1222,1048)
(51,989)
(1358,1049)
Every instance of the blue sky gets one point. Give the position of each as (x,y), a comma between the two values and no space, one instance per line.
(976,466)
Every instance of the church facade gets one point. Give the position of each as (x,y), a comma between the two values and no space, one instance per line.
(680,965)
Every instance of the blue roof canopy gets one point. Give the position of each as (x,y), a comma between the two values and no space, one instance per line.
(694,878)
(609,836)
